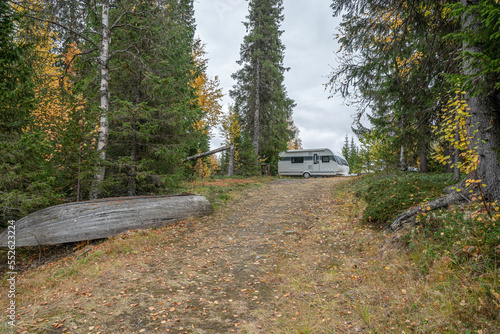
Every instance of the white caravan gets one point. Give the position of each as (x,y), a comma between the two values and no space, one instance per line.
(312,162)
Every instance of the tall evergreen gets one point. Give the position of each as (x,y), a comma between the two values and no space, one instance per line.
(153,106)
(260,95)
(403,60)
(345,148)
(16,74)
(394,64)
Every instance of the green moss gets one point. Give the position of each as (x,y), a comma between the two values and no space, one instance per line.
(388,195)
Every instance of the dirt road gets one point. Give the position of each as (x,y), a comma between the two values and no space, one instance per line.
(225,269)
(251,267)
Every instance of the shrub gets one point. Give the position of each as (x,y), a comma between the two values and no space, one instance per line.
(387,195)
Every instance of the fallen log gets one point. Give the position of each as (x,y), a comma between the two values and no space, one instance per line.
(454,195)
(230,171)
(103,218)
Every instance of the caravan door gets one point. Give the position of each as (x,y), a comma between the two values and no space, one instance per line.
(314,165)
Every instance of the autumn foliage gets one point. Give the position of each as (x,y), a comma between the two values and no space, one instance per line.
(162,105)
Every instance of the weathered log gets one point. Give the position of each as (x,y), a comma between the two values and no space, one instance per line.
(103,218)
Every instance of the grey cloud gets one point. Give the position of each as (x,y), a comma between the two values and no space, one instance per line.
(308,36)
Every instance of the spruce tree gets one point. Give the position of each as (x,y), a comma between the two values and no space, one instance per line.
(154,105)
(394,63)
(345,148)
(260,95)
(16,73)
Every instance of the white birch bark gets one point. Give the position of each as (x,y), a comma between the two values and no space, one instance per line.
(104,92)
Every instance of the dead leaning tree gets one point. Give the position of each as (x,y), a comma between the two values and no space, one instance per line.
(230,171)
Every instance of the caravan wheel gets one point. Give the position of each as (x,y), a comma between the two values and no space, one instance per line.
(306,175)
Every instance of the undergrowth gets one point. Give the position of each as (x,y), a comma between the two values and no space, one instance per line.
(387,195)
(457,249)
(467,240)
(464,233)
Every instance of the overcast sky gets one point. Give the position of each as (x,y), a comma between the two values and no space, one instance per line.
(308,36)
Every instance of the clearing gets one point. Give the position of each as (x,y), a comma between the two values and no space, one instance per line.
(284,257)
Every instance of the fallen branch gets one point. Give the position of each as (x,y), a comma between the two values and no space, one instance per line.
(455,194)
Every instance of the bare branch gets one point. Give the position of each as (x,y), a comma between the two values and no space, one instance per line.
(67,66)
(130,53)
(66,28)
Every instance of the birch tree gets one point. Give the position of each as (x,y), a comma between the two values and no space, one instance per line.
(102,143)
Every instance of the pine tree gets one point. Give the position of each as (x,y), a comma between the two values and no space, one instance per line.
(481,73)
(296,142)
(394,64)
(231,132)
(354,158)
(38,149)
(406,70)
(260,96)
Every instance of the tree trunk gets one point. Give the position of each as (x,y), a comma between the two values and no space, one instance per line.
(402,160)
(133,150)
(256,125)
(488,140)
(230,171)
(456,158)
(79,172)
(104,92)
(485,130)
(424,168)
(485,123)
(447,152)
(132,170)
(452,197)
(204,154)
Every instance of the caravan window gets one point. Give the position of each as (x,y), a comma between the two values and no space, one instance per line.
(344,162)
(297,160)
(337,159)
(325,159)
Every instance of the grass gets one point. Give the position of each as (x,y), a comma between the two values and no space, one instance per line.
(337,273)
(220,190)
(352,277)
(81,276)
(387,195)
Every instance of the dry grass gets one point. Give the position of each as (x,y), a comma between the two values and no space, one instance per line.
(274,260)
(351,278)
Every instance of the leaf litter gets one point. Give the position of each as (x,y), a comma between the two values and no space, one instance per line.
(285,257)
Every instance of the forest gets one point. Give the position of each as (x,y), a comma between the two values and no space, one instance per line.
(426,76)
(108,98)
